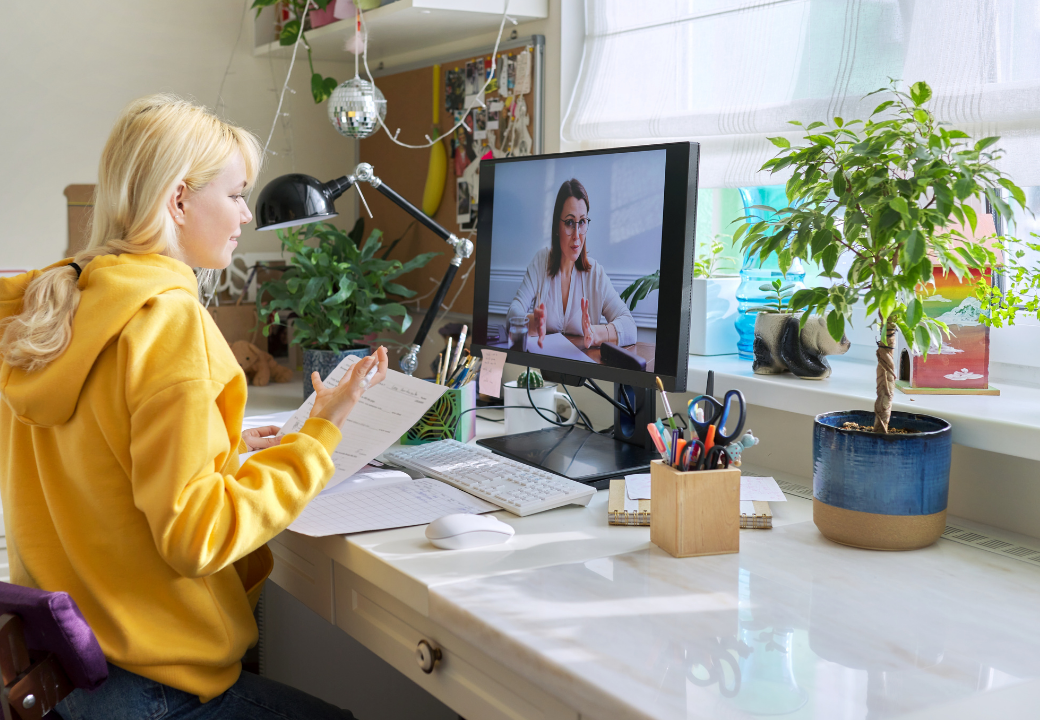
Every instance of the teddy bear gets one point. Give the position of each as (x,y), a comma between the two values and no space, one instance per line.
(259,366)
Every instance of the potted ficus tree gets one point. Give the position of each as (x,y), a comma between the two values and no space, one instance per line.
(336,294)
(893,192)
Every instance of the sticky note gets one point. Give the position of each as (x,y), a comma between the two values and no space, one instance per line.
(491,367)
(637,487)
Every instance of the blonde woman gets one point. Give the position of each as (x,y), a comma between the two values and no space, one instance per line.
(120,429)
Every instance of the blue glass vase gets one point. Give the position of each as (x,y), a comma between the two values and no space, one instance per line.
(756,272)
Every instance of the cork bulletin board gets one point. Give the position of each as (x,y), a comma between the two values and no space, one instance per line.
(410,107)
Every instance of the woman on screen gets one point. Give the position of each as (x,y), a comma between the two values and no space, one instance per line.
(565,290)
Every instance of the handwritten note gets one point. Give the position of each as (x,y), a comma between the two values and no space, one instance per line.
(382,415)
(491,368)
(760,488)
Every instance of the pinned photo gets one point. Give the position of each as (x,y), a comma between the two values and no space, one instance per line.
(454,91)
(462,202)
(510,78)
(472,84)
(492,119)
(480,119)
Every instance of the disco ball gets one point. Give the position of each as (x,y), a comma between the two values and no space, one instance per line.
(356,108)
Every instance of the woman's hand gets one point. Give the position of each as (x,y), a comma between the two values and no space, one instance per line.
(261,438)
(335,403)
(587,328)
(536,324)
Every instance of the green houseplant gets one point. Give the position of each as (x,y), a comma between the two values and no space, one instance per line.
(321,87)
(892,191)
(336,292)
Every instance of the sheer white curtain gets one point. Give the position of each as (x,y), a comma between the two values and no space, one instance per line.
(728,73)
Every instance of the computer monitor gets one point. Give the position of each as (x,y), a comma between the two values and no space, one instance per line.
(559,240)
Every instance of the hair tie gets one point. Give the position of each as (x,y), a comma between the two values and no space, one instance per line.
(77,268)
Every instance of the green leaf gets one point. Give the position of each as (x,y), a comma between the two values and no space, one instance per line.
(913,249)
(780,142)
(914,313)
(836,325)
(985,143)
(259,5)
(883,106)
(290,31)
(963,187)
(969,214)
(921,116)
(920,93)
(1016,192)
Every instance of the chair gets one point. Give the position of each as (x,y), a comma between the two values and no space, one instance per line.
(47,650)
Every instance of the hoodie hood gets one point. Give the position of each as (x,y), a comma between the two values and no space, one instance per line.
(113,288)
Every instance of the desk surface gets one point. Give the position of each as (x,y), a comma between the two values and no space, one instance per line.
(793,625)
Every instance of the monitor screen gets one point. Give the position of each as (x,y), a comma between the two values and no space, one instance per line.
(571,250)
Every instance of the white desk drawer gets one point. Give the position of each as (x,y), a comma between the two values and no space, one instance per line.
(304,572)
(393,631)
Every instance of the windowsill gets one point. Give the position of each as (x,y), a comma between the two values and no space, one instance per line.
(1005,424)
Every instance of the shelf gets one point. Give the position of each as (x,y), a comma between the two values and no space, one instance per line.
(1006,424)
(406,26)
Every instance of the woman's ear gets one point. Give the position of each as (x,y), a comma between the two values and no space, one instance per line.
(176,203)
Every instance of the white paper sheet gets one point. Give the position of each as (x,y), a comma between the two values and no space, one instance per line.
(556,345)
(637,487)
(382,415)
(760,488)
(747,507)
(631,505)
(401,504)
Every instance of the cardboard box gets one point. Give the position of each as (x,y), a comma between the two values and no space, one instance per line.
(80,206)
(695,513)
(238,322)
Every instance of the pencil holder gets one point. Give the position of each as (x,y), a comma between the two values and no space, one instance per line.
(447,419)
(695,513)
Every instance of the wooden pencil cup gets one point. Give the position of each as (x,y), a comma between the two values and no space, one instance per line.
(695,513)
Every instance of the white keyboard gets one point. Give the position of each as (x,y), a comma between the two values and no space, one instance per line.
(513,486)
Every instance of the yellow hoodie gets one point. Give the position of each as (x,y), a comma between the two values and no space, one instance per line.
(120,478)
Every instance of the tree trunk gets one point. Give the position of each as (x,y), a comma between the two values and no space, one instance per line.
(886,378)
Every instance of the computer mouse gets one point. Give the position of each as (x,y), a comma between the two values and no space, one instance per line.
(462,531)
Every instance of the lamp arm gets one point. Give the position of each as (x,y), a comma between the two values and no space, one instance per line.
(463,248)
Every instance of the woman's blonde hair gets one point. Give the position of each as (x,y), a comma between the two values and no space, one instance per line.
(157,142)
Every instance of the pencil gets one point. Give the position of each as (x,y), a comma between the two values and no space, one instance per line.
(440,368)
(458,350)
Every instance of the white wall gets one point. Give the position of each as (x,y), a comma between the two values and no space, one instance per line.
(70,70)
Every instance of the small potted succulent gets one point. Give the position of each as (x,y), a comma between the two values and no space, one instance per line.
(336,294)
(891,193)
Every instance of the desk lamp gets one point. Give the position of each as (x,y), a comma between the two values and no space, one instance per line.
(298,199)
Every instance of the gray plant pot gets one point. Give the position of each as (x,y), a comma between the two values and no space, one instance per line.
(324,362)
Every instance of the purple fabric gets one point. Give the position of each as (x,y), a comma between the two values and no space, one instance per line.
(53,623)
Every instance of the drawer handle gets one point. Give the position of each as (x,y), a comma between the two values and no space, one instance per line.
(427,656)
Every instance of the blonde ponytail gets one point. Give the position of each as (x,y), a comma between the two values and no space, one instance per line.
(158,142)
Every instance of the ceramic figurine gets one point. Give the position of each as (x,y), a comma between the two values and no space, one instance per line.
(779,346)
(738,446)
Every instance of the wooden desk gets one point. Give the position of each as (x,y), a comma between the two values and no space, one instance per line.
(574,618)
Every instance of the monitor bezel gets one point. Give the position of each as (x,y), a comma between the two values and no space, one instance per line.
(678,239)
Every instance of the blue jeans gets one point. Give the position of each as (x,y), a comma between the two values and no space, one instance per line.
(126,696)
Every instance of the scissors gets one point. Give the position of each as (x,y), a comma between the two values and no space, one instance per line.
(712,429)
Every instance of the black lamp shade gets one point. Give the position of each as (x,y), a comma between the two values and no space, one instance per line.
(295,199)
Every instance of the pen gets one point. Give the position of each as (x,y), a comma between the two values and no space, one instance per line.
(664,399)
(658,441)
(367,380)
(679,445)
(458,350)
(447,363)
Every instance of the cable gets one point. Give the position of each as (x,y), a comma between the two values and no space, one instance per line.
(539,410)
(583,416)
(292,61)
(456,126)
(508,407)
(241,24)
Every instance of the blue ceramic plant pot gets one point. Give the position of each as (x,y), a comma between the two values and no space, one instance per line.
(325,361)
(882,492)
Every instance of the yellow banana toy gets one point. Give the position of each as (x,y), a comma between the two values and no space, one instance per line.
(437,172)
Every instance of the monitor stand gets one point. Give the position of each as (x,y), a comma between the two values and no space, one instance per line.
(584,456)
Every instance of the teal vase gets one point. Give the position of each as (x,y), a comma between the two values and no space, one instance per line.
(756,272)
